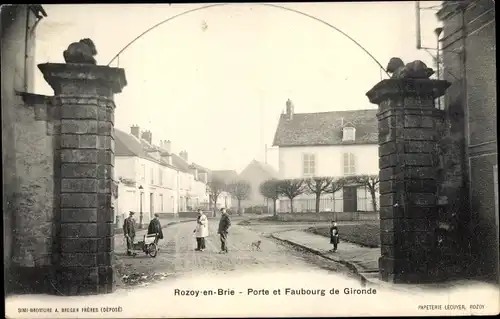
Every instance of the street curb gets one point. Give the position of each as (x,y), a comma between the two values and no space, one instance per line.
(346,263)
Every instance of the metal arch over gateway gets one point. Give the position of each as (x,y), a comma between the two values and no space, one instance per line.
(260,4)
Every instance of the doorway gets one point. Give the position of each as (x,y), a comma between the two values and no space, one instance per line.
(350,198)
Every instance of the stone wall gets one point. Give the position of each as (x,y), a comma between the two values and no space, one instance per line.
(83,129)
(469,58)
(408,149)
(33,210)
(26,159)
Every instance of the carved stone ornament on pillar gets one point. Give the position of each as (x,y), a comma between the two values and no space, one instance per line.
(408,139)
(83,114)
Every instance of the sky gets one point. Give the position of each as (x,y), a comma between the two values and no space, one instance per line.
(215,81)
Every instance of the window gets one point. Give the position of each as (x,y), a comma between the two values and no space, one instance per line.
(349,134)
(152,176)
(161,203)
(349,164)
(309,164)
(143,173)
(160,176)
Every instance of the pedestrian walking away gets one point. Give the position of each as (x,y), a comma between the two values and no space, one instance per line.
(129,232)
(334,236)
(155,228)
(201,230)
(224,225)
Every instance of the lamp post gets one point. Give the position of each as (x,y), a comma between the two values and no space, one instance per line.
(140,206)
(438,31)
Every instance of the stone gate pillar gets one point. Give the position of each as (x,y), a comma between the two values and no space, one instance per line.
(408,166)
(83,115)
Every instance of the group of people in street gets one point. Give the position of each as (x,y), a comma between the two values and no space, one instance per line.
(201,230)
(129,227)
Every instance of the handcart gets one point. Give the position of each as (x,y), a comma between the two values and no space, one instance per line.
(149,245)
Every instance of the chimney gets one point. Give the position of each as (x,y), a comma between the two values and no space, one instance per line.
(184,155)
(148,136)
(167,146)
(135,130)
(289,109)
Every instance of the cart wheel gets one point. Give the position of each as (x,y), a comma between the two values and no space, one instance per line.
(153,250)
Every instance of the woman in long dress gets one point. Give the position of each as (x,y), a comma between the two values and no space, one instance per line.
(201,230)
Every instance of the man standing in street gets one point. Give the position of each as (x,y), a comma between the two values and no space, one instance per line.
(155,228)
(224,225)
(129,232)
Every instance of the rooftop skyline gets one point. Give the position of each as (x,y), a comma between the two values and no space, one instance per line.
(215,81)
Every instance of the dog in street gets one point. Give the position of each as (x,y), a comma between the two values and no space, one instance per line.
(256,245)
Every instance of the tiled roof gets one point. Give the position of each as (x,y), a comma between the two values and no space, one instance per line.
(180,163)
(325,128)
(227,176)
(200,168)
(266,168)
(128,145)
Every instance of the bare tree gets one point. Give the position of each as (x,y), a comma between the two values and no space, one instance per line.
(291,188)
(214,188)
(318,186)
(371,182)
(336,185)
(240,190)
(270,189)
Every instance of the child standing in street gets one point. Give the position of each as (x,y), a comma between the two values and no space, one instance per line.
(334,236)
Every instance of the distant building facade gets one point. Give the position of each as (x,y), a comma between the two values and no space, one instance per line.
(328,144)
(254,174)
(225,199)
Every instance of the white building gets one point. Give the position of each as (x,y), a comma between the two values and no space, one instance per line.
(148,179)
(329,144)
(152,179)
(192,181)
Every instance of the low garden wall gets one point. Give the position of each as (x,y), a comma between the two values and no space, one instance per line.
(328,216)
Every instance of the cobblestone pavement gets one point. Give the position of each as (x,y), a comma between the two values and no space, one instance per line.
(177,255)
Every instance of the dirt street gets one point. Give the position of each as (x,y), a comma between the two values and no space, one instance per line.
(177,256)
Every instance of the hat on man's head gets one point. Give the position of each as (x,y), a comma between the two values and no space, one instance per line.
(131,213)
(157,215)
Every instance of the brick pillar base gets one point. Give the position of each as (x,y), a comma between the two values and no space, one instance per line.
(84,164)
(408,166)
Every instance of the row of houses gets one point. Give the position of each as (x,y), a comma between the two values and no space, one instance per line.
(153,179)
